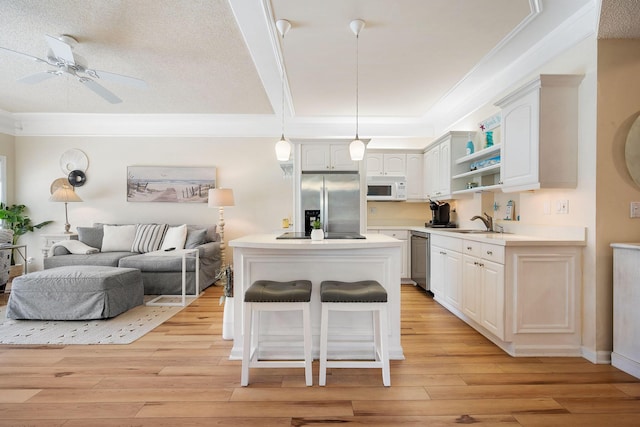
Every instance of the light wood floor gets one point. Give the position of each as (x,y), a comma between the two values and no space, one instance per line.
(180,375)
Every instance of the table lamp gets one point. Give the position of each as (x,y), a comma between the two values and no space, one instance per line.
(221,197)
(65,194)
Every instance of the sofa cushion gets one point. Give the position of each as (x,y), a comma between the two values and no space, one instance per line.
(195,238)
(175,237)
(118,238)
(108,259)
(148,237)
(91,236)
(159,263)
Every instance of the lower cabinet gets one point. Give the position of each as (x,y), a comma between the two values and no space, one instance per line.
(403,235)
(446,270)
(526,299)
(483,285)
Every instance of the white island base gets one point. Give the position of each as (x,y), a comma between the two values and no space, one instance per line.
(263,257)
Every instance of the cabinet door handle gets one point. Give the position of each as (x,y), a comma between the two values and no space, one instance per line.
(489,253)
(442,253)
(469,248)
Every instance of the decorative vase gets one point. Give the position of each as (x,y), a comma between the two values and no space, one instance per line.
(227,319)
(317,234)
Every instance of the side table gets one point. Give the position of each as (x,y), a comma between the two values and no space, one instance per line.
(51,239)
(184,253)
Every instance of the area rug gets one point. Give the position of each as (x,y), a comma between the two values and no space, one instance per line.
(122,329)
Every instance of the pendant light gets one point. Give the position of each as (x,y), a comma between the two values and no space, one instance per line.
(357,147)
(283,147)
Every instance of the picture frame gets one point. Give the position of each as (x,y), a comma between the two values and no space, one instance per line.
(170,184)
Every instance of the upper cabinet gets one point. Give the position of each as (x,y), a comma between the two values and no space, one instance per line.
(386,164)
(327,157)
(415,171)
(540,134)
(437,164)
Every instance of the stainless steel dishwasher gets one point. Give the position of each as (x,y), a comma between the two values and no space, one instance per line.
(420,253)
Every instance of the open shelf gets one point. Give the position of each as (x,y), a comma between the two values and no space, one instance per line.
(479,189)
(489,170)
(479,154)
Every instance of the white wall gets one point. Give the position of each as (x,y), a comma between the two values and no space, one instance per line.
(248,166)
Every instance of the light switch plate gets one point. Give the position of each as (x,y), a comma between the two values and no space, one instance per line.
(635,210)
(562,207)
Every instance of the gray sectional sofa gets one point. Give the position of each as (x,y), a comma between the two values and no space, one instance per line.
(162,273)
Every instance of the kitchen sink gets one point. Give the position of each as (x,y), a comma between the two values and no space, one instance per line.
(475,231)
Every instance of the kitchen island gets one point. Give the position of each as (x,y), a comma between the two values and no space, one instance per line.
(263,257)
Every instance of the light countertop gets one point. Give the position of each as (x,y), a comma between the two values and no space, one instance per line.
(269,241)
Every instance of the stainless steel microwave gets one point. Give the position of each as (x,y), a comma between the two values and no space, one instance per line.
(386,188)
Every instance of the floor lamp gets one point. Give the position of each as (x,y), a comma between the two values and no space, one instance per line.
(219,198)
(65,194)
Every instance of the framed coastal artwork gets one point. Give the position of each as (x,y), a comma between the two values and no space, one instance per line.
(170,184)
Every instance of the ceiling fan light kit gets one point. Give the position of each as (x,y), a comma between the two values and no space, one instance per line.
(60,55)
(357,147)
(283,147)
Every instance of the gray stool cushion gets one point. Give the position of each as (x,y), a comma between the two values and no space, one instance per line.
(363,291)
(79,292)
(270,291)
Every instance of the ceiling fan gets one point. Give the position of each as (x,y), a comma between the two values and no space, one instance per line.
(61,56)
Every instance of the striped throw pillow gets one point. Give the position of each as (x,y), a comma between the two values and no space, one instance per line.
(148,237)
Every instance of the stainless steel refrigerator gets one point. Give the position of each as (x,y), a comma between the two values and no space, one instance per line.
(335,197)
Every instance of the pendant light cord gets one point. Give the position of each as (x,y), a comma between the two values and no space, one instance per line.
(282,86)
(357,81)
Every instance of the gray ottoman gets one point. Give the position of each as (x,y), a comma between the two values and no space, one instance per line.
(79,292)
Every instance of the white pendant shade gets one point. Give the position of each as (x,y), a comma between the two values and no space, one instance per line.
(283,150)
(356,150)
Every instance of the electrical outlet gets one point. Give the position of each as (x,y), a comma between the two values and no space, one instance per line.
(373,210)
(562,207)
(546,207)
(635,210)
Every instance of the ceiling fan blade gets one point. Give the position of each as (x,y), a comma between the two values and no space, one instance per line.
(100,90)
(60,49)
(23,55)
(38,77)
(118,78)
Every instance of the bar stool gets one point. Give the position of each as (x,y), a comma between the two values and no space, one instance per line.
(267,295)
(366,295)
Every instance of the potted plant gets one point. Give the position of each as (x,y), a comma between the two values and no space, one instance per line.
(13,218)
(316,232)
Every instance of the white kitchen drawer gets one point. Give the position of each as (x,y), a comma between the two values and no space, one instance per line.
(452,243)
(472,248)
(493,253)
(398,234)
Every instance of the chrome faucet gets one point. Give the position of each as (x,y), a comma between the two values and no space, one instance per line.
(488,222)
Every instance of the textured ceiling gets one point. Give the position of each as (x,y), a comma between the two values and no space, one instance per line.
(419,60)
(619,19)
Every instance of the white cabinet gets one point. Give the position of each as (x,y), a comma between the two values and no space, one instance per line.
(414,176)
(626,316)
(446,271)
(386,164)
(483,285)
(526,299)
(322,157)
(403,235)
(540,134)
(437,164)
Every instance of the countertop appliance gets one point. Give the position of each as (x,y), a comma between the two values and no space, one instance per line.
(439,212)
(334,198)
(420,253)
(386,188)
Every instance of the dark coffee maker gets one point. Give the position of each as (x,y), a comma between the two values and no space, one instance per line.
(439,213)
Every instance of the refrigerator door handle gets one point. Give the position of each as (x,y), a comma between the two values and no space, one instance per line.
(325,212)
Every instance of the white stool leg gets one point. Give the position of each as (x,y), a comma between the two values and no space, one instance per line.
(246,345)
(324,326)
(306,323)
(384,345)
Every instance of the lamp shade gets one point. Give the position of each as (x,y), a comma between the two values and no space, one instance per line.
(219,197)
(283,149)
(65,194)
(356,150)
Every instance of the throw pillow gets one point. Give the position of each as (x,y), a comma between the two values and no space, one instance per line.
(195,238)
(91,236)
(175,237)
(148,237)
(118,238)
